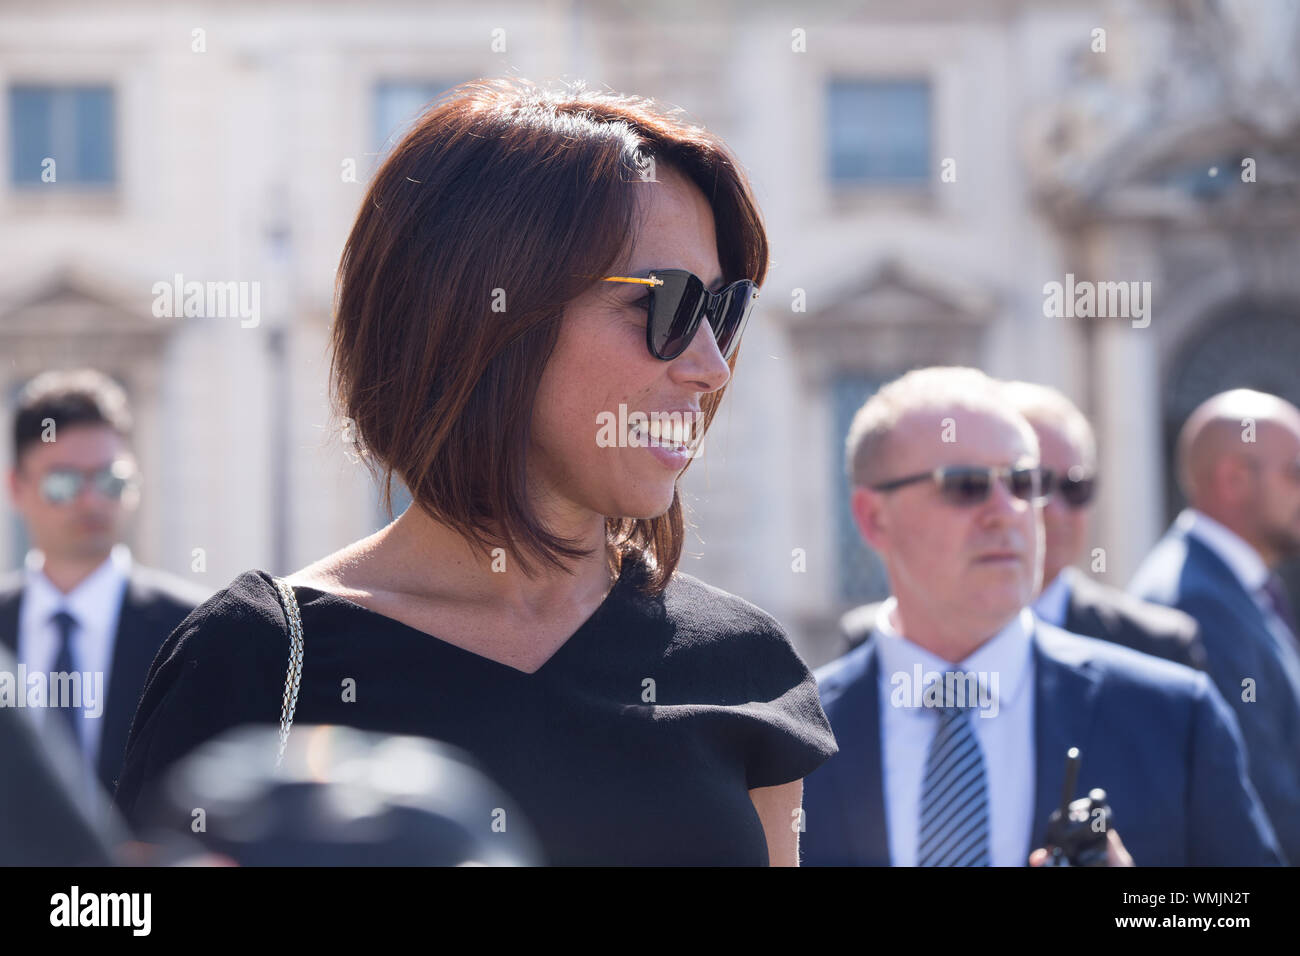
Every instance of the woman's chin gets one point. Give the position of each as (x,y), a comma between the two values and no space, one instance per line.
(650,503)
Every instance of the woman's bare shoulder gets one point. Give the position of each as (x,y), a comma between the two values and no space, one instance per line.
(349,573)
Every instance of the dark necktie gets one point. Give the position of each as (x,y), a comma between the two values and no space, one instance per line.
(954,826)
(1275,592)
(1282,628)
(68,715)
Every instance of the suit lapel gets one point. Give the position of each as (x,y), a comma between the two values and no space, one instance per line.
(11,599)
(1065,690)
(1203,563)
(1075,610)
(134,647)
(859,781)
(1083,610)
(1208,566)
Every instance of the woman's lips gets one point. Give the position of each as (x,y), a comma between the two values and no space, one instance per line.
(670,443)
(670,457)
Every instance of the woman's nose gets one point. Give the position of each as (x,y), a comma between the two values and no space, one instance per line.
(701,366)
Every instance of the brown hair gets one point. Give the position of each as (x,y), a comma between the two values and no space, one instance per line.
(69,397)
(504,186)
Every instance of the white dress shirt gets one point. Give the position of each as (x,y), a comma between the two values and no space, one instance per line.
(1054,600)
(1005,733)
(96,603)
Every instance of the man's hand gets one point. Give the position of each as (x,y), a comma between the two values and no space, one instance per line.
(1116,855)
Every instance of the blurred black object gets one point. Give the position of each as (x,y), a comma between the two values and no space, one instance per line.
(1073,838)
(341,797)
(47,816)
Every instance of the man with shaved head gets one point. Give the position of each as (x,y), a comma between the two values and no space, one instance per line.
(1239,468)
(955,716)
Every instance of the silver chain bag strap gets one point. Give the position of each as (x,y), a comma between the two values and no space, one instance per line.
(293,678)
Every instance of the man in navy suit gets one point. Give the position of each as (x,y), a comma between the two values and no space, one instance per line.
(80,608)
(954,719)
(1239,468)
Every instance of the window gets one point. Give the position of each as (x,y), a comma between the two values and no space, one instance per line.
(879,132)
(397,105)
(861,574)
(71,125)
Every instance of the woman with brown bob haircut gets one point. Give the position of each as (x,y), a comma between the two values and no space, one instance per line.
(538,311)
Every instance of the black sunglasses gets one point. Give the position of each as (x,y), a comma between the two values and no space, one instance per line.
(968,485)
(677,302)
(1076,488)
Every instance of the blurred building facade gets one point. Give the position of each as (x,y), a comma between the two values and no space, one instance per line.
(925,168)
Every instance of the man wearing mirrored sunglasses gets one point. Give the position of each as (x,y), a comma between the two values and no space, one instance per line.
(80,605)
(1070,598)
(955,717)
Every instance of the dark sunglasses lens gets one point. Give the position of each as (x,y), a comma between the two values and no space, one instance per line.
(109,484)
(1077,492)
(965,486)
(733,312)
(1025,483)
(676,308)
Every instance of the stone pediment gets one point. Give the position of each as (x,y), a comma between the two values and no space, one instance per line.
(890,317)
(893,292)
(72,317)
(76,302)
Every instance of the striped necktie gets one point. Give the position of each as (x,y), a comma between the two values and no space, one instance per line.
(954,825)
